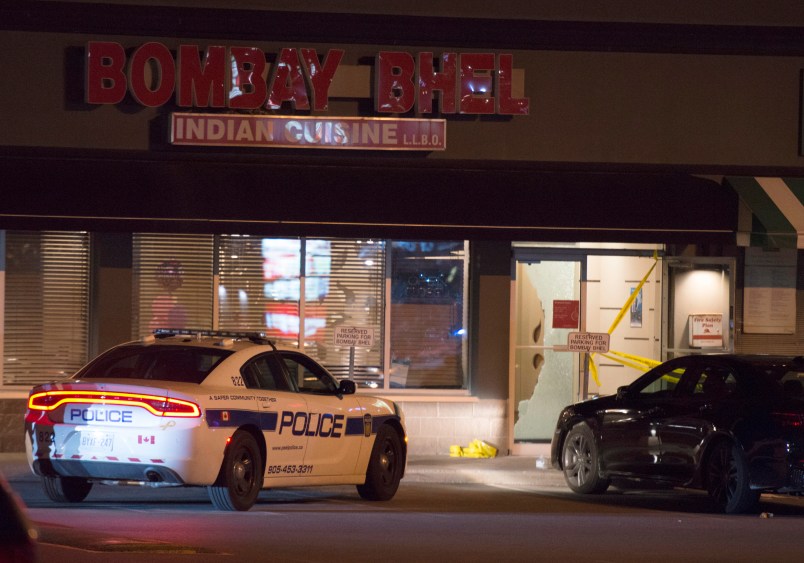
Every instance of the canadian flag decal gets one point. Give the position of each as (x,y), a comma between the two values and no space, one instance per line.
(146,439)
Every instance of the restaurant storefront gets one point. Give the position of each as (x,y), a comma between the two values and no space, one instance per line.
(473,202)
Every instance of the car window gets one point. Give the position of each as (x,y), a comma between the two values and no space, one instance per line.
(661,381)
(793,384)
(263,372)
(187,364)
(308,376)
(715,382)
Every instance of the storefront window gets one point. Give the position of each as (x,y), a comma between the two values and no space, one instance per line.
(301,292)
(428,314)
(172,282)
(45,293)
(258,286)
(298,291)
(345,287)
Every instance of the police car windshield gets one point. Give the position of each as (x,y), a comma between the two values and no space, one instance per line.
(186,364)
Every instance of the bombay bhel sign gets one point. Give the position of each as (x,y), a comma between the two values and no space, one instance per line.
(232,79)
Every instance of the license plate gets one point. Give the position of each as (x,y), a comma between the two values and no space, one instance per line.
(97,441)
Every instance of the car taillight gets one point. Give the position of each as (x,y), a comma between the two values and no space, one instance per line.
(789,419)
(155,404)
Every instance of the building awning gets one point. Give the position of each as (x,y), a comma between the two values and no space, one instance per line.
(353,196)
(777,211)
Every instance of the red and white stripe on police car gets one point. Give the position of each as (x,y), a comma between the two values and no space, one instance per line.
(109,458)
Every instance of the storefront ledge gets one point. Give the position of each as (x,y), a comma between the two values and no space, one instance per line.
(410,398)
(14,393)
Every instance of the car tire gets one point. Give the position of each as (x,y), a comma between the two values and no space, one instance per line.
(241,475)
(580,461)
(385,466)
(728,480)
(66,489)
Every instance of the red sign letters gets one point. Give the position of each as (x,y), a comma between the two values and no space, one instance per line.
(237,78)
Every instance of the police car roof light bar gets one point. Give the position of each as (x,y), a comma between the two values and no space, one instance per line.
(255,337)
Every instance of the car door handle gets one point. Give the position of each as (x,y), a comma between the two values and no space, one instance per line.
(655,411)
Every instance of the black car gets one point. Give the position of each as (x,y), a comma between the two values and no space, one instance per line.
(729,424)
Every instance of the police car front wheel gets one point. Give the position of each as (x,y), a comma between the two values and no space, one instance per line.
(240,478)
(385,466)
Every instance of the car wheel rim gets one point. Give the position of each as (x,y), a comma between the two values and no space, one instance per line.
(578,460)
(242,474)
(723,476)
(387,463)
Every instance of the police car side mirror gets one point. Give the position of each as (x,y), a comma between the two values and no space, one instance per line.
(347,387)
(623,392)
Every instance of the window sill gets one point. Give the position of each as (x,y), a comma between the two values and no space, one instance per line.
(428,396)
(14,392)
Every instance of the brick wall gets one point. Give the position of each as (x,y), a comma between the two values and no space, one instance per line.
(435,426)
(12,413)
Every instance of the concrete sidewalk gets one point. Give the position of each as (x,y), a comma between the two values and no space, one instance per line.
(526,471)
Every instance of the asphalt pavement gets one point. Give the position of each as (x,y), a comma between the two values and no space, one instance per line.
(512,471)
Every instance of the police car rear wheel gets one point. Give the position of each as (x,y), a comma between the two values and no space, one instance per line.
(385,466)
(240,479)
(66,489)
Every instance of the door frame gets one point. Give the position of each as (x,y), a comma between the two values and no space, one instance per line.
(540,449)
(669,301)
(532,254)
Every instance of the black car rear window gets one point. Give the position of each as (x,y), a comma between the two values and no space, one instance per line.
(188,364)
(783,375)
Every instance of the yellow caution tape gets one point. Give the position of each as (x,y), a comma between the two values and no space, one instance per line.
(631,298)
(639,363)
(476,449)
(619,317)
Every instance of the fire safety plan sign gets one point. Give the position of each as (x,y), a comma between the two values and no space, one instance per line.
(706,331)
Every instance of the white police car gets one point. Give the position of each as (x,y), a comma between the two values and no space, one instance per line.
(229,411)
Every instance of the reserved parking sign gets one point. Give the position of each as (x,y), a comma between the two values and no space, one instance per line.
(354,336)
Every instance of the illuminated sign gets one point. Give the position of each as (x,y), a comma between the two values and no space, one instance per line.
(307,132)
(237,77)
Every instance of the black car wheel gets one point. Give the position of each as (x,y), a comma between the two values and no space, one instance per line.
(241,476)
(727,480)
(580,461)
(66,489)
(385,466)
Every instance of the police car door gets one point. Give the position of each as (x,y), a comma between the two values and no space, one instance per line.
(333,422)
(277,402)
